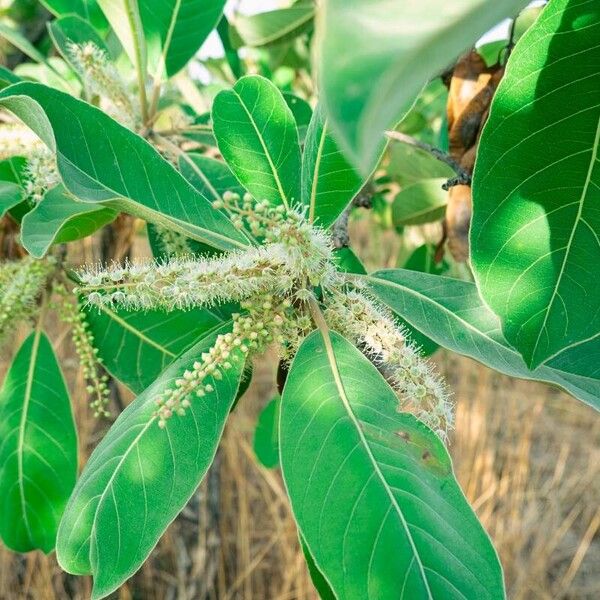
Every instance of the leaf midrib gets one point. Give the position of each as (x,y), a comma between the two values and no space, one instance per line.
(23,424)
(136,332)
(265,150)
(168,40)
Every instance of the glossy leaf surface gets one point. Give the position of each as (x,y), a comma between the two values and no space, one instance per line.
(59,218)
(38,448)
(535,234)
(136,346)
(329,182)
(257,136)
(174,30)
(140,476)
(369,84)
(100,161)
(372,489)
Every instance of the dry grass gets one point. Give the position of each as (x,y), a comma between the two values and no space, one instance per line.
(526,455)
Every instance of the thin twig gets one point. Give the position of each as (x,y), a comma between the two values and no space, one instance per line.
(462,176)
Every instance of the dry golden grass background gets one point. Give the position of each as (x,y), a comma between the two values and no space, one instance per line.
(526,455)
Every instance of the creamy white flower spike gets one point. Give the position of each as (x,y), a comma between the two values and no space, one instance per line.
(40,173)
(273,281)
(21,284)
(372,328)
(96,381)
(102,79)
(251,333)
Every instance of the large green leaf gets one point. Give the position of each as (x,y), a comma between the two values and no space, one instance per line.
(257,136)
(535,235)
(372,489)
(329,182)
(135,346)
(87,9)
(60,218)
(10,195)
(368,84)
(38,448)
(100,161)
(451,313)
(174,30)
(140,476)
(422,202)
(274,26)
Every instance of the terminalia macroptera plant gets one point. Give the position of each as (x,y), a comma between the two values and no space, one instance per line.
(246,207)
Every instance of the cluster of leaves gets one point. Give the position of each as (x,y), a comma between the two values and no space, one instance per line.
(379,512)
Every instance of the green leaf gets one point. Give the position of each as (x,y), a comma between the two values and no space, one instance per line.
(7,77)
(266,440)
(535,233)
(140,476)
(11,169)
(409,165)
(20,42)
(135,347)
(124,18)
(60,218)
(10,195)
(38,450)
(100,161)
(175,29)
(257,136)
(275,26)
(302,113)
(231,54)
(422,202)
(329,182)
(320,583)
(73,29)
(347,261)
(451,313)
(86,9)
(211,177)
(372,489)
(423,260)
(369,84)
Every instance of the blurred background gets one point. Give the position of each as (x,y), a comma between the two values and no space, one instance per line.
(527,455)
